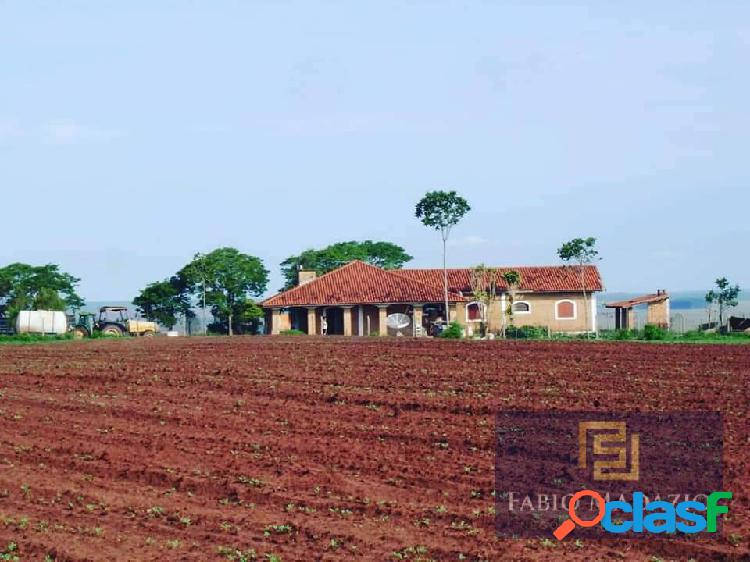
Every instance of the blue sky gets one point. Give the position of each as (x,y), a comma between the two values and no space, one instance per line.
(134,134)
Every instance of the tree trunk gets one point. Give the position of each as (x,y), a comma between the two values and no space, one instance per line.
(205,327)
(585,302)
(445,286)
(230,324)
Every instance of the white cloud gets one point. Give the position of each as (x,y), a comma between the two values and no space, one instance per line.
(68,131)
(472,240)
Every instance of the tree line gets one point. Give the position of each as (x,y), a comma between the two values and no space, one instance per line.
(43,287)
(226,282)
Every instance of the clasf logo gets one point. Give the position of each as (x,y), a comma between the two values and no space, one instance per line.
(641,517)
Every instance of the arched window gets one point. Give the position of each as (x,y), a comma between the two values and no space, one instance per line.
(565,310)
(474,312)
(521,307)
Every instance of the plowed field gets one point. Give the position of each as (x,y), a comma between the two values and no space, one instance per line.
(300,449)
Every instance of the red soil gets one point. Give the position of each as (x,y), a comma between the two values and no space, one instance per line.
(168,449)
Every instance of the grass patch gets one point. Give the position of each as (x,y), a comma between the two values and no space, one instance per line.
(10,553)
(662,336)
(33,338)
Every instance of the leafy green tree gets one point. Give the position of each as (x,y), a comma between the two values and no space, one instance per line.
(44,287)
(725,297)
(381,254)
(483,281)
(245,315)
(581,252)
(165,301)
(225,278)
(441,211)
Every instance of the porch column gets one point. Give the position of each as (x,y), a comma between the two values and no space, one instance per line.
(631,323)
(618,319)
(503,312)
(417,319)
(275,321)
(593,315)
(382,319)
(459,311)
(311,321)
(347,320)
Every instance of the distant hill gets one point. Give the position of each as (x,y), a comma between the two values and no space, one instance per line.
(94,306)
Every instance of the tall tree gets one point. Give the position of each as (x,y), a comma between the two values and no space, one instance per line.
(726,296)
(441,211)
(226,278)
(44,287)
(194,277)
(581,252)
(512,279)
(165,301)
(382,254)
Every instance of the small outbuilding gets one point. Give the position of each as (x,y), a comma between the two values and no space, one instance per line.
(657,312)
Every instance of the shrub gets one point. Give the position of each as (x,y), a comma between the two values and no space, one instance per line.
(454,331)
(625,334)
(292,332)
(653,332)
(526,332)
(619,335)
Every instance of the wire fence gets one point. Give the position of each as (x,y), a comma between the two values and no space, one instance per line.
(681,321)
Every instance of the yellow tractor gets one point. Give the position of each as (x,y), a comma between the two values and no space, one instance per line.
(113,321)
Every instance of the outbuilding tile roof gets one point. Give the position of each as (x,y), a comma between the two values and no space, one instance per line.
(361,283)
(645,299)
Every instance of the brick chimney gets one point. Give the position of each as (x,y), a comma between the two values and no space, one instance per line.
(305,277)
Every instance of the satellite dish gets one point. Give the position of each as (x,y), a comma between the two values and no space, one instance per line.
(398,321)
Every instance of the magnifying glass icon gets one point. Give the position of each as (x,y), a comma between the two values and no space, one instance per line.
(569,524)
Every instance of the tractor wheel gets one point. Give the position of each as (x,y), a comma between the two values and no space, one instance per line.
(148,334)
(79,333)
(112,330)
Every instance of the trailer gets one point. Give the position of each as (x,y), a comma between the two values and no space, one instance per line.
(41,322)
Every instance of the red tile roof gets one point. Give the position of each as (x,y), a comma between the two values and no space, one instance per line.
(645,299)
(361,283)
(539,279)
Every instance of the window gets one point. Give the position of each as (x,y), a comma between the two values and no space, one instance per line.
(565,310)
(521,307)
(474,312)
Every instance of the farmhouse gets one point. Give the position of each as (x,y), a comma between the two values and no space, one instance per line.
(359,299)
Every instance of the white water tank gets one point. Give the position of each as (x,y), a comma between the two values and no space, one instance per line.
(41,322)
